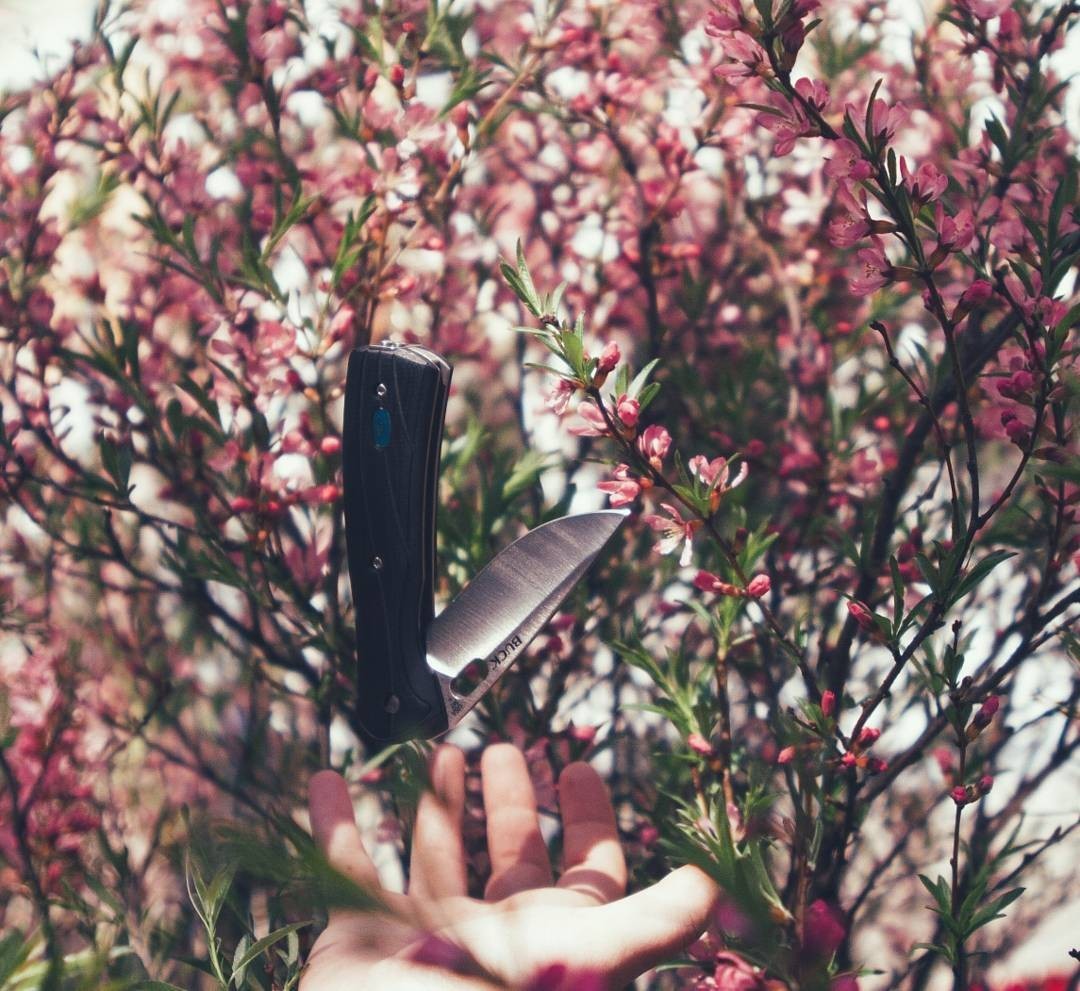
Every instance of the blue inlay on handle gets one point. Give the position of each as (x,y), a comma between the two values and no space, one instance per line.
(380,428)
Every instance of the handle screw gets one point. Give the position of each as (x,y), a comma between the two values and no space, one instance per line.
(377,562)
(380,390)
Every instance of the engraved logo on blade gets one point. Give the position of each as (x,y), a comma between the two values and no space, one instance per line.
(507,650)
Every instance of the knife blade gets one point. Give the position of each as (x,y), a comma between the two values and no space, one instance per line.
(418,675)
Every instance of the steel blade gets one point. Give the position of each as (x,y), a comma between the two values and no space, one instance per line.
(493,619)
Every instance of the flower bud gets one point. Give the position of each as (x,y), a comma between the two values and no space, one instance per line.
(608,359)
(862,615)
(698,743)
(823,929)
(828,703)
(869,736)
(759,586)
(786,756)
(960,795)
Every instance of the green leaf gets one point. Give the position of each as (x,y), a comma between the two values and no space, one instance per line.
(638,384)
(14,950)
(257,948)
(976,574)
(988,913)
(116,459)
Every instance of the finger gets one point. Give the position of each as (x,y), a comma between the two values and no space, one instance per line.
(438,857)
(333,826)
(593,861)
(651,926)
(519,857)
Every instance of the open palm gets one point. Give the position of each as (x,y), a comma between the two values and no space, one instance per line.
(435,937)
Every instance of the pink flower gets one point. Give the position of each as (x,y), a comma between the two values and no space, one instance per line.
(848,162)
(976,294)
(673,530)
(844,982)
(828,702)
(559,396)
(884,120)
(960,795)
(954,233)
(984,9)
(748,58)
(759,586)
(623,489)
(608,359)
(698,743)
(593,423)
(926,184)
(654,444)
(786,756)
(869,736)
(862,615)
(727,16)
(627,410)
(876,270)
(823,929)
(716,473)
(732,973)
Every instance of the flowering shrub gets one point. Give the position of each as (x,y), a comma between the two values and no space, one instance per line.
(797,277)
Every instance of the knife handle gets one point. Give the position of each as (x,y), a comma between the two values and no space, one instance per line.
(395,403)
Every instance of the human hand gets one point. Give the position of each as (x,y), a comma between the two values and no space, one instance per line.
(436,938)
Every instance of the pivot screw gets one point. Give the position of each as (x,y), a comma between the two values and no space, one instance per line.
(377,563)
(380,390)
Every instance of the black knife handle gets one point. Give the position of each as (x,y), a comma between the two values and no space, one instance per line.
(395,402)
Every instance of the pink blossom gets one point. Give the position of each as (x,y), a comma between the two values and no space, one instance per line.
(976,294)
(716,474)
(654,444)
(727,15)
(847,162)
(823,929)
(559,396)
(732,973)
(786,755)
(593,423)
(984,9)
(955,233)
(698,743)
(926,184)
(748,58)
(876,270)
(844,982)
(759,586)
(609,358)
(673,530)
(869,736)
(627,410)
(623,489)
(862,615)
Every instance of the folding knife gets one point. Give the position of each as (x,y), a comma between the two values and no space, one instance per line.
(419,674)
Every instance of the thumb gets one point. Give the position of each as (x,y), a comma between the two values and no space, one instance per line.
(653,925)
